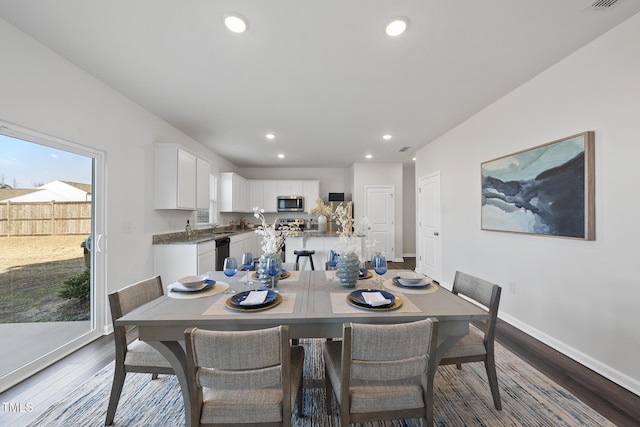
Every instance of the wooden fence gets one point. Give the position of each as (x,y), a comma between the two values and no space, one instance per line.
(45,218)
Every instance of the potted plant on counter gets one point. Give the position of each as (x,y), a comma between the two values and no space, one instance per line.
(323,211)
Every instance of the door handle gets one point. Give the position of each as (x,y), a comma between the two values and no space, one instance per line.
(435,233)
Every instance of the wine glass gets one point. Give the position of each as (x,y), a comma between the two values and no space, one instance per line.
(247,264)
(380,266)
(273,269)
(230,268)
(332,261)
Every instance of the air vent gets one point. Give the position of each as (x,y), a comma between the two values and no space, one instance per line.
(603,4)
(403,149)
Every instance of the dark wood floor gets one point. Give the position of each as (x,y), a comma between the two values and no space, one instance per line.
(615,403)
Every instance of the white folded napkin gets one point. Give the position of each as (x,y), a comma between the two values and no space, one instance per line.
(255,298)
(375,299)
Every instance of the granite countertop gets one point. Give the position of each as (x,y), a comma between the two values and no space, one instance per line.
(200,236)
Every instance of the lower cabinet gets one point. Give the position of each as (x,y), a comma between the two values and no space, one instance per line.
(173,261)
(320,244)
(244,242)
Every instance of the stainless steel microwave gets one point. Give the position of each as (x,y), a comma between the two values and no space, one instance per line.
(290,204)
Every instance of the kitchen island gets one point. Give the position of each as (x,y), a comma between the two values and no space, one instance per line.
(321,242)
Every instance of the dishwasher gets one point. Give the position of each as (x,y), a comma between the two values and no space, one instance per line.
(222,251)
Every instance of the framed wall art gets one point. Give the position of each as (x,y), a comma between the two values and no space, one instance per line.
(547,190)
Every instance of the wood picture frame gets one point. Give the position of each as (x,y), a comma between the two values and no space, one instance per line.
(546,190)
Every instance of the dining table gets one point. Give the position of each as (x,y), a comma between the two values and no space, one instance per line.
(312,303)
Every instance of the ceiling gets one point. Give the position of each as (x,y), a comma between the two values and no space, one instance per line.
(322,75)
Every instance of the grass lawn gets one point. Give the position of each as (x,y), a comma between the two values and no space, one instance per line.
(32,270)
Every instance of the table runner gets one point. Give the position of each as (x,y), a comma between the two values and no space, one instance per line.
(286,306)
(340,305)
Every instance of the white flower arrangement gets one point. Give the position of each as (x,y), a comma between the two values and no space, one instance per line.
(272,238)
(321,209)
(348,241)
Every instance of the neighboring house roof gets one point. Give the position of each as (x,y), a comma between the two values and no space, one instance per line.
(59,191)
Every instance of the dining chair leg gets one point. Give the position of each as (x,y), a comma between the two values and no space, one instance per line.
(154,376)
(459,365)
(299,398)
(114,398)
(328,391)
(490,366)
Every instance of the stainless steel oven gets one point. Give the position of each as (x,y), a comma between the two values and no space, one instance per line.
(290,204)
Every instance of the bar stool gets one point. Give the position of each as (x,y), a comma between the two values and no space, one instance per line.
(304,252)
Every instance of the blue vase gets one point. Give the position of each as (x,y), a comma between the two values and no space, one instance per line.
(348,269)
(263,274)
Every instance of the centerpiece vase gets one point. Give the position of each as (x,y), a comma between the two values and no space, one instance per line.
(322,223)
(263,273)
(348,269)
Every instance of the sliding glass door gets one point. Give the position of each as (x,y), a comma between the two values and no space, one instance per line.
(50,259)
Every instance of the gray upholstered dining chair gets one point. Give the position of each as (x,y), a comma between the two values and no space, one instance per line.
(243,377)
(133,355)
(382,372)
(478,347)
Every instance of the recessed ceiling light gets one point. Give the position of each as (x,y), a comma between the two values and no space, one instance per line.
(387,137)
(235,22)
(368,156)
(414,159)
(396,26)
(281,156)
(270,135)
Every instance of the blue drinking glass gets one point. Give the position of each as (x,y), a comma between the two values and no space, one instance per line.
(230,268)
(273,268)
(247,264)
(332,261)
(379,266)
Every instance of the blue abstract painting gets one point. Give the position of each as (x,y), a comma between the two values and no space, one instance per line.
(544,190)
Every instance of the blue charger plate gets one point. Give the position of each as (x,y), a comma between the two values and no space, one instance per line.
(241,296)
(357,298)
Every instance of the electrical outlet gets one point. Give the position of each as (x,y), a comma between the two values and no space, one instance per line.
(126,227)
(512,287)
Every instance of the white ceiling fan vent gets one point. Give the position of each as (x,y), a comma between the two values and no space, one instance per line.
(603,4)
(403,149)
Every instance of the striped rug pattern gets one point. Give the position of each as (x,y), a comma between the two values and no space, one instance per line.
(461,398)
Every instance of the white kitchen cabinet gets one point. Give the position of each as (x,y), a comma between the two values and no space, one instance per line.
(311,193)
(321,244)
(241,243)
(270,196)
(290,188)
(234,193)
(206,257)
(203,194)
(173,261)
(256,194)
(181,178)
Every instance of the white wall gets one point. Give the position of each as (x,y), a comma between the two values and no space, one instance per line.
(41,91)
(409,210)
(581,297)
(380,174)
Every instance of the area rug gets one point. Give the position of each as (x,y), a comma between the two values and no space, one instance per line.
(461,398)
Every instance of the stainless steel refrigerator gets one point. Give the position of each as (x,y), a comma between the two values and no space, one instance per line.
(332,226)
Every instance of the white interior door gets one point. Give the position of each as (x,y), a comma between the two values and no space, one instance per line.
(380,211)
(429,257)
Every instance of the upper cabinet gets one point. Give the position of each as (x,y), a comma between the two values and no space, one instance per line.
(240,195)
(181,179)
(234,193)
(203,190)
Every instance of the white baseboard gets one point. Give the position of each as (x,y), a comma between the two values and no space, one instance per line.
(620,378)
